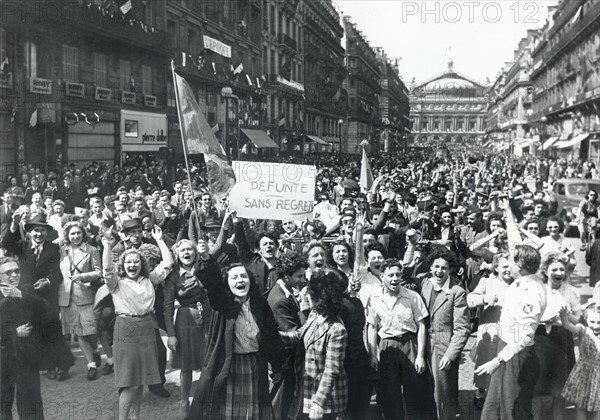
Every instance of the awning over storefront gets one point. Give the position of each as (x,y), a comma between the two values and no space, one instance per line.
(548,143)
(570,143)
(317,140)
(260,138)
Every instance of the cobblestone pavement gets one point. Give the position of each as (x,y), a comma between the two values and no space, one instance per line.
(80,399)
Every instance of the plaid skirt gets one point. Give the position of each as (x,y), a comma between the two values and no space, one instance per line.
(241,395)
(79,320)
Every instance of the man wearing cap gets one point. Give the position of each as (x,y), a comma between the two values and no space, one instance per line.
(39,261)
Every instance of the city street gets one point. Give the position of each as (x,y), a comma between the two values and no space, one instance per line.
(80,399)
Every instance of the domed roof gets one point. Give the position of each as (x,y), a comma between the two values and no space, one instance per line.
(448,82)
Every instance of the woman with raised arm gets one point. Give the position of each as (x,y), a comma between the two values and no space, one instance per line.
(243,339)
(131,284)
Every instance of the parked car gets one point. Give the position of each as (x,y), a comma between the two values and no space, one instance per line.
(569,192)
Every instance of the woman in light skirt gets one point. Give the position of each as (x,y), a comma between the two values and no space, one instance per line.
(80,268)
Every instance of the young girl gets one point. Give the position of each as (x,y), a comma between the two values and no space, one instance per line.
(583,385)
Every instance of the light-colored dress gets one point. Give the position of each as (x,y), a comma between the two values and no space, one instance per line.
(583,385)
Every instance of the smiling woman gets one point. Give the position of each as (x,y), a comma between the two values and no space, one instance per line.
(244,339)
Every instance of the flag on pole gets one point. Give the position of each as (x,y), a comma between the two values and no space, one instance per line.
(366,175)
(215,128)
(4,66)
(183,59)
(239,69)
(34,118)
(198,137)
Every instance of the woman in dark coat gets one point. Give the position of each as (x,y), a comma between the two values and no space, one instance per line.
(243,338)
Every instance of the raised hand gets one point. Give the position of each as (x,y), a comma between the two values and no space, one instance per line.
(157,233)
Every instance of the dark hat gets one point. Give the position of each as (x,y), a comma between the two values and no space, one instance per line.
(211,222)
(38,220)
(350,184)
(132,224)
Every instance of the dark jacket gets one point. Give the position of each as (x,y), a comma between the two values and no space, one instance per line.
(15,312)
(212,386)
(264,276)
(47,266)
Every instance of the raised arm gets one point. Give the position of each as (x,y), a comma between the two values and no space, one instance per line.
(110,277)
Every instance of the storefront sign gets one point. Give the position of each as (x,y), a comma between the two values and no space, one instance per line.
(283,191)
(143,131)
(41,86)
(103,94)
(75,89)
(217,46)
(128,98)
(150,101)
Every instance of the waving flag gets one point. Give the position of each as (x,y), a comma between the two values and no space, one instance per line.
(198,137)
(366,175)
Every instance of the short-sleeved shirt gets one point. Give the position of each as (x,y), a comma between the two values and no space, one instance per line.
(369,284)
(396,315)
(565,295)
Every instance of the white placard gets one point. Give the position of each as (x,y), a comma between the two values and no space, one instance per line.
(217,46)
(275,191)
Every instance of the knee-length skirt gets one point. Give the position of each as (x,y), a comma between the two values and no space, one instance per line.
(134,352)
(191,339)
(78,319)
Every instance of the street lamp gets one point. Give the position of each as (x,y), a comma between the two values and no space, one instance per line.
(227,94)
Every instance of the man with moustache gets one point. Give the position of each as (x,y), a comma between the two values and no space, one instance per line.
(39,261)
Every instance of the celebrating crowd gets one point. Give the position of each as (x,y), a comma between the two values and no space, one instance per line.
(376,294)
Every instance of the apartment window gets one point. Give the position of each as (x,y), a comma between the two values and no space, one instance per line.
(147,80)
(192,46)
(2,45)
(147,9)
(100,70)
(173,30)
(171,96)
(124,73)
(70,63)
(211,108)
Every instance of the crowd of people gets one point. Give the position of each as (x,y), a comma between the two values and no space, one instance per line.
(377,293)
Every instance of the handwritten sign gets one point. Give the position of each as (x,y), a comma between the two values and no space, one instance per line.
(273,190)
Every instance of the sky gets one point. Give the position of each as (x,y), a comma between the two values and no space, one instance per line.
(480,36)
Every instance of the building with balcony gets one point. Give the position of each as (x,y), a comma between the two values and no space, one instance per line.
(566,78)
(283,63)
(510,104)
(394,105)
(324,73)
(86,86)
(450,108)
(363,121)
(217,48)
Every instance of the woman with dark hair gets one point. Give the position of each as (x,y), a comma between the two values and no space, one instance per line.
(554,343)
(187,334)
(81,271)
(341,256)
(449,328)
(587,215)
(243,338)
(485,248)
(322,391)
(489,296)
(556,242)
